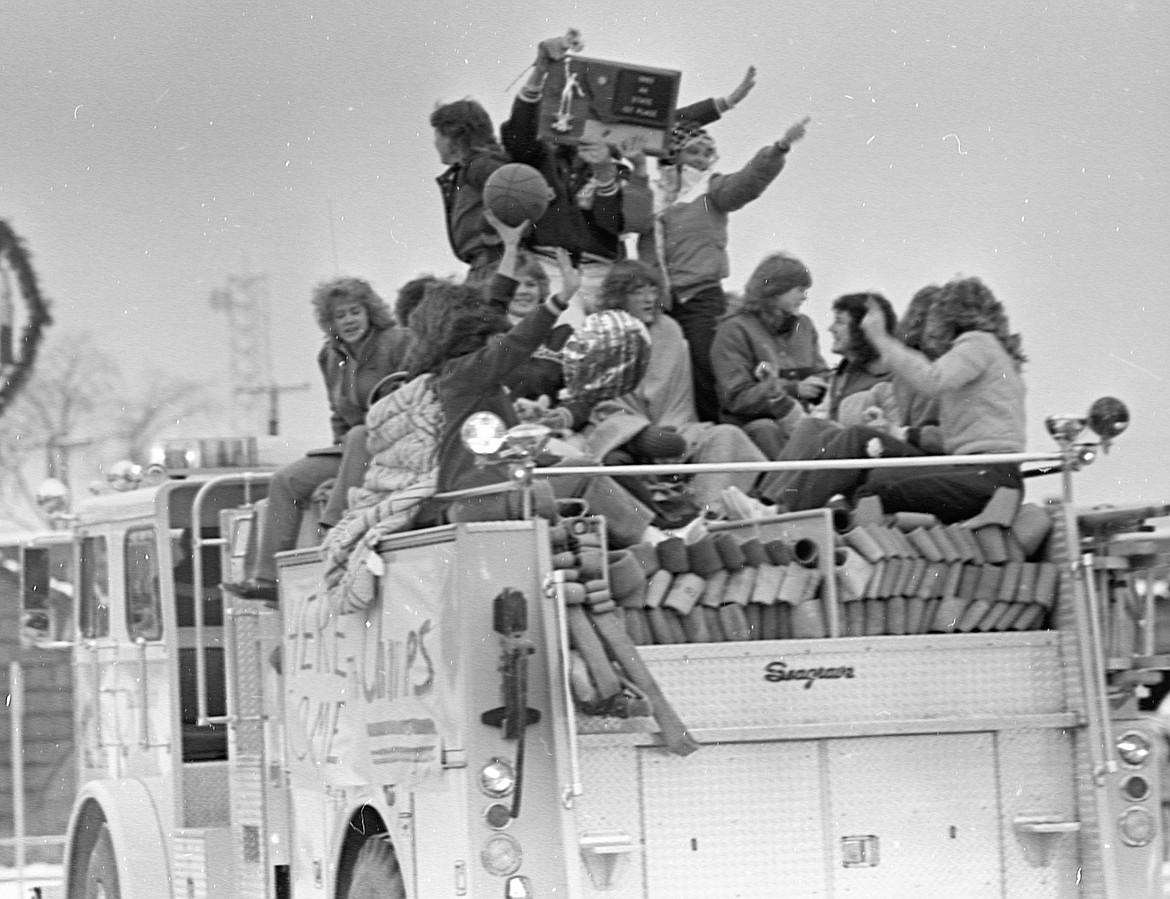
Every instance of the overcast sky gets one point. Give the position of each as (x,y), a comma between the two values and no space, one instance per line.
(148,150)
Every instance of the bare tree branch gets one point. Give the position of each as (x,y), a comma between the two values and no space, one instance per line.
(77,398)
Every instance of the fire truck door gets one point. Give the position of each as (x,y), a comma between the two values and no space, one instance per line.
(908,816)
(915,815)
(734,820)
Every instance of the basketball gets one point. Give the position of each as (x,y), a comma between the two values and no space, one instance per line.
(515,192)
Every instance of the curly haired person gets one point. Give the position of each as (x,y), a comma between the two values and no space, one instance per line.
(977,381)
(363,345)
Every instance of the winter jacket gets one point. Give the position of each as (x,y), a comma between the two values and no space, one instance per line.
(583,217)
(403,441)
(691,238)
(350,375)
(474,383)
(854,388)
(741,343)
(461,187)
(543,374)
(979,389)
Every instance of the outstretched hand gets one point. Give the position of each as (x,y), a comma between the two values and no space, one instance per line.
(570,277)
(633,148)
(531,410)
(595,152)
(796,132)
(509,235)
(744,88)
(554,49)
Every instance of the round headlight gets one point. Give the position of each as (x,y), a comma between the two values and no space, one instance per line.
(483,433)
(1137,827)
(1134,748)
(1136,788)
(497,816)
(497,778)
(501,855)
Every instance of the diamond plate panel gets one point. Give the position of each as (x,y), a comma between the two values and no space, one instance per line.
(205,794)
(858,680)
(189,865)
(1065,618)
(247,789)
(740,820)
(1037,777)
(938,829)
(248,683)
(248,813)
(202,865)
(1090,835)
(612,802)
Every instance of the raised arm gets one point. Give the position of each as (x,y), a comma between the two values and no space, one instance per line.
(960,365)
(503,284)
(518,134)
(712,109)
(731,192)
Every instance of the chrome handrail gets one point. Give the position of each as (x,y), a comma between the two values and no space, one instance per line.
(247,479)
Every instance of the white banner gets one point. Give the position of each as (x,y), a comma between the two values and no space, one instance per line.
(365,694)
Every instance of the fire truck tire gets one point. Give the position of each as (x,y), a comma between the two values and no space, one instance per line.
(376,874)
(101,876)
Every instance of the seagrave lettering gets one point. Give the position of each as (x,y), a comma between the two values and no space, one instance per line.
(779,672)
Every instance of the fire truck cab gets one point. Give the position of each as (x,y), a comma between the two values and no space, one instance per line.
(479,713)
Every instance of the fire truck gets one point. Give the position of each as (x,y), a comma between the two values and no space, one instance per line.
(815,704)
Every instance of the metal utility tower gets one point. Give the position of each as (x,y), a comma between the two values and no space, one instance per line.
(245,302)
(255,394)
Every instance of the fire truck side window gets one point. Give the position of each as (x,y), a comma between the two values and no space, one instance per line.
(143,615)
(94,611)
(61,592)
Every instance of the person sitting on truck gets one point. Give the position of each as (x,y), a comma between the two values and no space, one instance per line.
(859,390)
(766,357)
(356,457)
(473,356)
(662,406)
(919,413)
(362,346)
(465,348)
(519,286)
(980,391)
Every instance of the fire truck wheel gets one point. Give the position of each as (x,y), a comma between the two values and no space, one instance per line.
(101,877)
(376,874)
